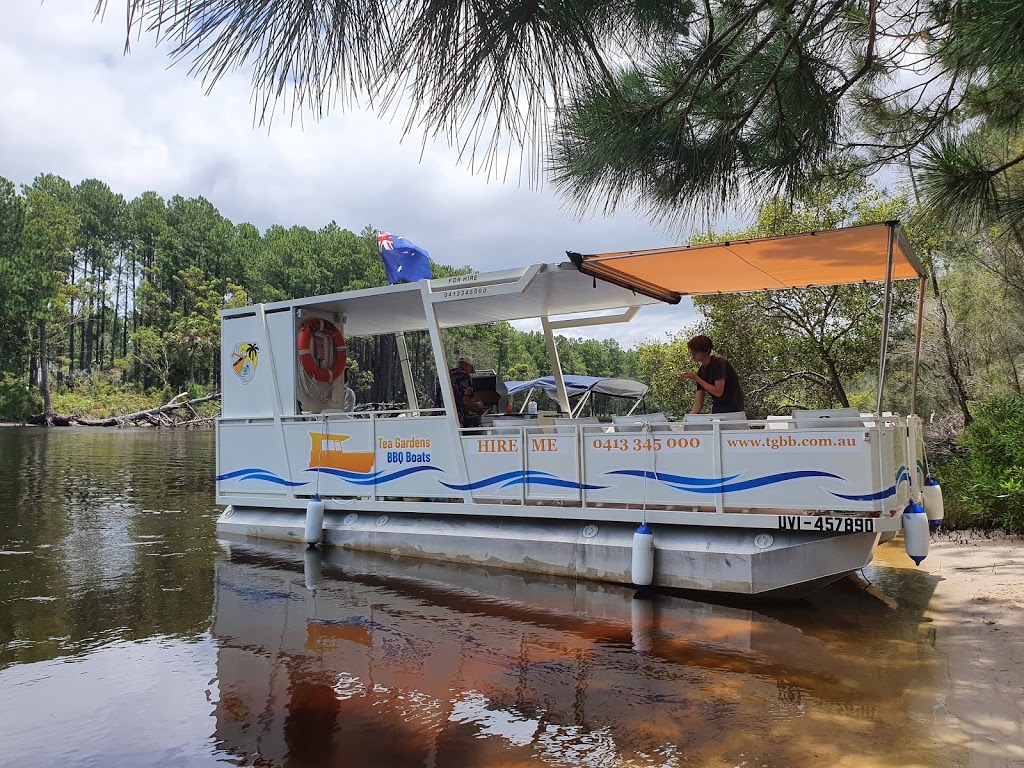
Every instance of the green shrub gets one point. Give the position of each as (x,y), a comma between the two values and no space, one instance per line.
(986,487)
(17,400)
(100,400)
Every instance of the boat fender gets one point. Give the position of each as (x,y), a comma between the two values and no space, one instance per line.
(314,521)
(933,504)
(915,532)
(643,556)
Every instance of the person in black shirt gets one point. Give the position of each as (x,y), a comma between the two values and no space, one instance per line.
(716,376)
(469,406)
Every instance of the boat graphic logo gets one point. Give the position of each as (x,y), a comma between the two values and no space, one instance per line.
(326,452)
(244,359)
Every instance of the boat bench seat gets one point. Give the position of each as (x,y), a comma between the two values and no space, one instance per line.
(827,418)
(704,422)
(567,426)
(659,423)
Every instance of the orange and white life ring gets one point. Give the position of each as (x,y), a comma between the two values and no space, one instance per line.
(322,350)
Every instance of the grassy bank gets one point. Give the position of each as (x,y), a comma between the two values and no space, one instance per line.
(89,400)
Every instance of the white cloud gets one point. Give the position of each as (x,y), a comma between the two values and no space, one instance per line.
(74,106)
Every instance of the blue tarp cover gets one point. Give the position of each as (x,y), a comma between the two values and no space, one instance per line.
(577,385)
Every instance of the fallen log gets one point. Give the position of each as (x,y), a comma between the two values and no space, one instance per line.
(161,416)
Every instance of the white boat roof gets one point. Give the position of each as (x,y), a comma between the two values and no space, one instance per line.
(539,290)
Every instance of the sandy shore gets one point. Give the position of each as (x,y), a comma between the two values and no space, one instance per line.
(978,611)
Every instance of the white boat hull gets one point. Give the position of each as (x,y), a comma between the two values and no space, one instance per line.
(750,561)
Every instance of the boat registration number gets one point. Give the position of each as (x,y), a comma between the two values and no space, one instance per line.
(826,524)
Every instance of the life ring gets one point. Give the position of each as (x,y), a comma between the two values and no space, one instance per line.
(320,342)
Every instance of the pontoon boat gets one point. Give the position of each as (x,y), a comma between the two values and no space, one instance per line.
(775,507)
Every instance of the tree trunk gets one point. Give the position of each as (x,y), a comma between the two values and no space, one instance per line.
(833,375)
(71,328)
(90,282)
(124,329)
(44,374)
(33,376)
(952,362)
(103,327)
(113,320)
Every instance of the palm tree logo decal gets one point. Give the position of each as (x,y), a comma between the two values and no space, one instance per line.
(244,359)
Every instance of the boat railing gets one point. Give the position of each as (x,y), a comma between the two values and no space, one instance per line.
(409,454)
(710,463)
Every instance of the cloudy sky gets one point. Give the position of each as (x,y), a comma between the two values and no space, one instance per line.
(73,105)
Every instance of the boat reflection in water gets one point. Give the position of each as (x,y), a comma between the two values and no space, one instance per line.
(363,660)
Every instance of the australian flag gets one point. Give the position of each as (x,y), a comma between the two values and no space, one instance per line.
(402,260)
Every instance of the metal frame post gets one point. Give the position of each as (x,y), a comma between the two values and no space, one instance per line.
(278,407)
(556,366)
(410,389)
(445,381)
(578,410)
(917,345)
(716,435)
(886,311)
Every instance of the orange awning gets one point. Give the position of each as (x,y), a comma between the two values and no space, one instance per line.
(832,257)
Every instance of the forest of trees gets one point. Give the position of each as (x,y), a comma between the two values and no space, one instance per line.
(114,302)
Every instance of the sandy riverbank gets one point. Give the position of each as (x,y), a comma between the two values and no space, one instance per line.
(978,611)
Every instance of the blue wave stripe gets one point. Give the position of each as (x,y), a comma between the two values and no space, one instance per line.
(890,491)
(724,486)
(274,479)
(673,479)
(346,473)
(760,482)
(240,472)
(375,478)
(553,481)
(516,476)
(255,473)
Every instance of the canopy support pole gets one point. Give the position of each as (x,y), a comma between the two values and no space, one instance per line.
(886,310)
(410,388)
(556,366)
(578,411)
(451,411)
(917,345)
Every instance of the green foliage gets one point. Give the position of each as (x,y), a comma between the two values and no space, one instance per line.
(986,488)
(671,107)
(660,363)
(801,348)
(99,398)
(17,400)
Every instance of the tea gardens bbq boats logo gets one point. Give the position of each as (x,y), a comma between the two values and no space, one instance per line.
(244,359)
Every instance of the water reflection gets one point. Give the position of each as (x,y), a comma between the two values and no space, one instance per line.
(105,534)
(419,664)
(129,636)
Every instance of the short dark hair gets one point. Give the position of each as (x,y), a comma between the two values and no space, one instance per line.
(700,344)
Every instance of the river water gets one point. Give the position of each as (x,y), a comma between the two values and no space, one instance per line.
(131,636)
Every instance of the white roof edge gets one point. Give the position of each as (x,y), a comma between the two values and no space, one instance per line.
(480,298)
(504,277)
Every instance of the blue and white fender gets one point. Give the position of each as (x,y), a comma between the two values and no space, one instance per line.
(915,532)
